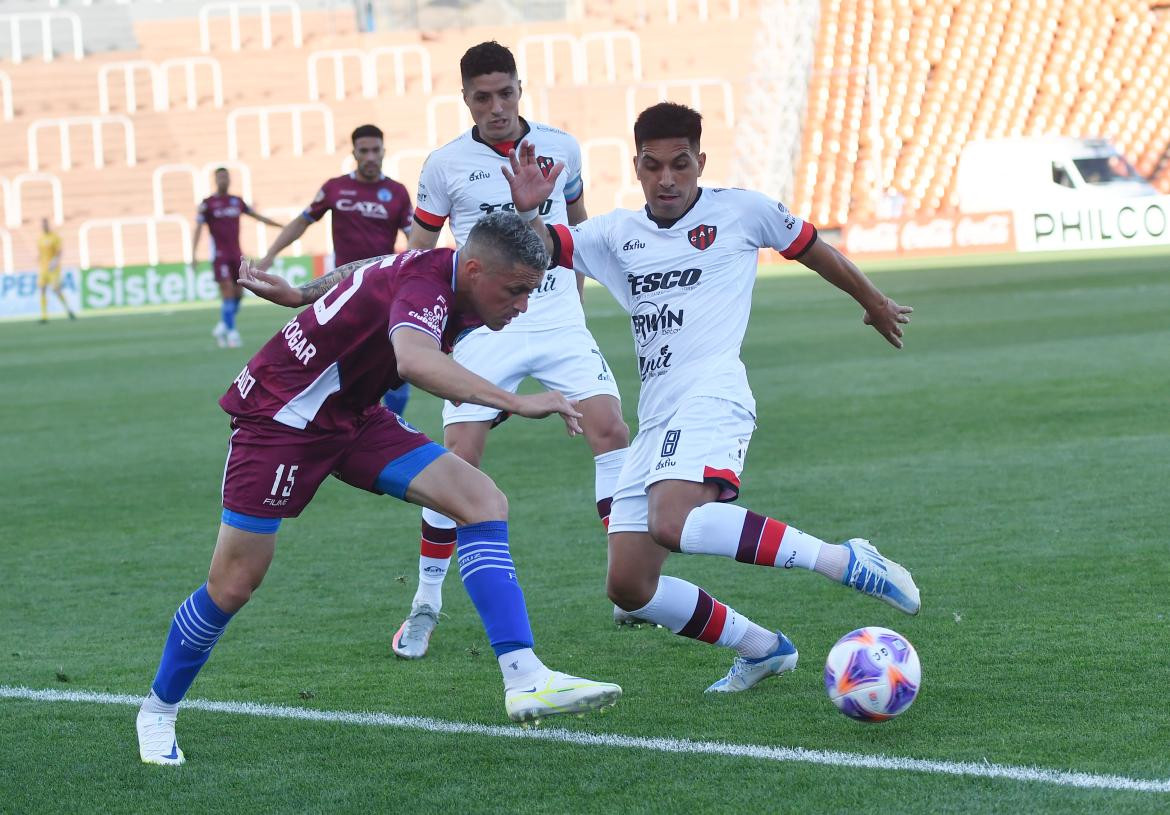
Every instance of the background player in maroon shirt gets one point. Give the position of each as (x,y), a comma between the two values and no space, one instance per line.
(369,209)
(221,212)
(306,405)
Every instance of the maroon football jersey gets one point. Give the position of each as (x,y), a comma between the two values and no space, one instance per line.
(332,362)
(222,214)
(366,216)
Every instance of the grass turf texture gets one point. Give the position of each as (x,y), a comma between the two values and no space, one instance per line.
(1013,456)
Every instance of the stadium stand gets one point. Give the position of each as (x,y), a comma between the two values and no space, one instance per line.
(894,90)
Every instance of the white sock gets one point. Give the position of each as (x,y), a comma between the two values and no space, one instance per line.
(152,704)
(432,571)
(735,532)
(689,611)
(520,667)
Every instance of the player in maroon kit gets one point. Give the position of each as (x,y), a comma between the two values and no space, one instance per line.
(369,209)
(306,405)
(221,212)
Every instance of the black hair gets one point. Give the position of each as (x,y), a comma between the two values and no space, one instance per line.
(668,120)
(486,58)
(221,169)
(365,131)
(505,235)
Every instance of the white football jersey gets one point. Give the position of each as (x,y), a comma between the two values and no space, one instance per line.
(687,288)
(462,181)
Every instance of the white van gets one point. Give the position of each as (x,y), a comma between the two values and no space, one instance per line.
(996,175)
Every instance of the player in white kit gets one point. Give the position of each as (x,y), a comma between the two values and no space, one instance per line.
(462,182)
(684,267)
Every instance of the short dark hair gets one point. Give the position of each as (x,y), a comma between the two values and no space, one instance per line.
(505,235)
(486,58)
(365,131)
(220,170)
(668,120)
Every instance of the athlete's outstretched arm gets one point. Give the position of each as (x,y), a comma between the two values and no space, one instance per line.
(422,363)
(880,311)
(266,221)
(276,289)
(293,230)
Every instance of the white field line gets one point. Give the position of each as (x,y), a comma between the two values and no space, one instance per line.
(783,754)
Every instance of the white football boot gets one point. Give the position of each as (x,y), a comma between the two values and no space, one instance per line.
(555,693)
(414,635)
(156,738)
(220,333)
(747,673)
(233,339)
(871,573)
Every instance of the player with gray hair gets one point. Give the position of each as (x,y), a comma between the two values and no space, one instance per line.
(307,406)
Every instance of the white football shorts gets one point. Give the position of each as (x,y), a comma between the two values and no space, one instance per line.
(562,359)
(705,439)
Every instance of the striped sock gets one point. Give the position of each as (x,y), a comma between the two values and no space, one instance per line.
(607,468)
(488,574)
(689,611)
(195,629)
(436,545)
(731,531)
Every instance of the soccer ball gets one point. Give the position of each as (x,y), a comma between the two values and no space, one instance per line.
(872,674)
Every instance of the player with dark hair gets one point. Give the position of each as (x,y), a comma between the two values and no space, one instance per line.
(221,213)
(369,210)
(688,293)
(306,405)
(461,181)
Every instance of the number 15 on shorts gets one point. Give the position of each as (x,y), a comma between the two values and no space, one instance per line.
(282,485)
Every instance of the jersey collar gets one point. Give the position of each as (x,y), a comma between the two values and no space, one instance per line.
(663,223)
(524,131)
(381,177)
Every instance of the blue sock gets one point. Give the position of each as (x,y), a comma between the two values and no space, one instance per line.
(194,631)
(489,576)
(227,313)
(395,400)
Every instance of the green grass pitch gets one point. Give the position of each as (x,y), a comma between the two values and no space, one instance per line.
(1013,456)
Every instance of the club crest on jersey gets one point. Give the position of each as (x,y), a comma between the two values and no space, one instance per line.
(702,236)
(384,195)
(545,164)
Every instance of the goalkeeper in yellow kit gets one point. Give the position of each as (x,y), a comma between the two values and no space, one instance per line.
(49,256)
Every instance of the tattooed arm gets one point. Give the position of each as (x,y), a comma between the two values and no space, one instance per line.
(278,290)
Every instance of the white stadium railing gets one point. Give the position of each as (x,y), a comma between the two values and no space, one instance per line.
(45,18)
(368,69)
(201,180)
(6,91)
(264,112)
(695,87)
(284,214)
(233,11)
(63,126)
(117,225)
(443,100)
(188,65)
(578,55)
(14,206)
(620,157)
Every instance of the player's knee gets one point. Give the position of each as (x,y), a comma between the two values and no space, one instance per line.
(613,434)
(666,529)
(486,503)
(232,593)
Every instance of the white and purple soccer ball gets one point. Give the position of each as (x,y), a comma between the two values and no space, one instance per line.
(872,674)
